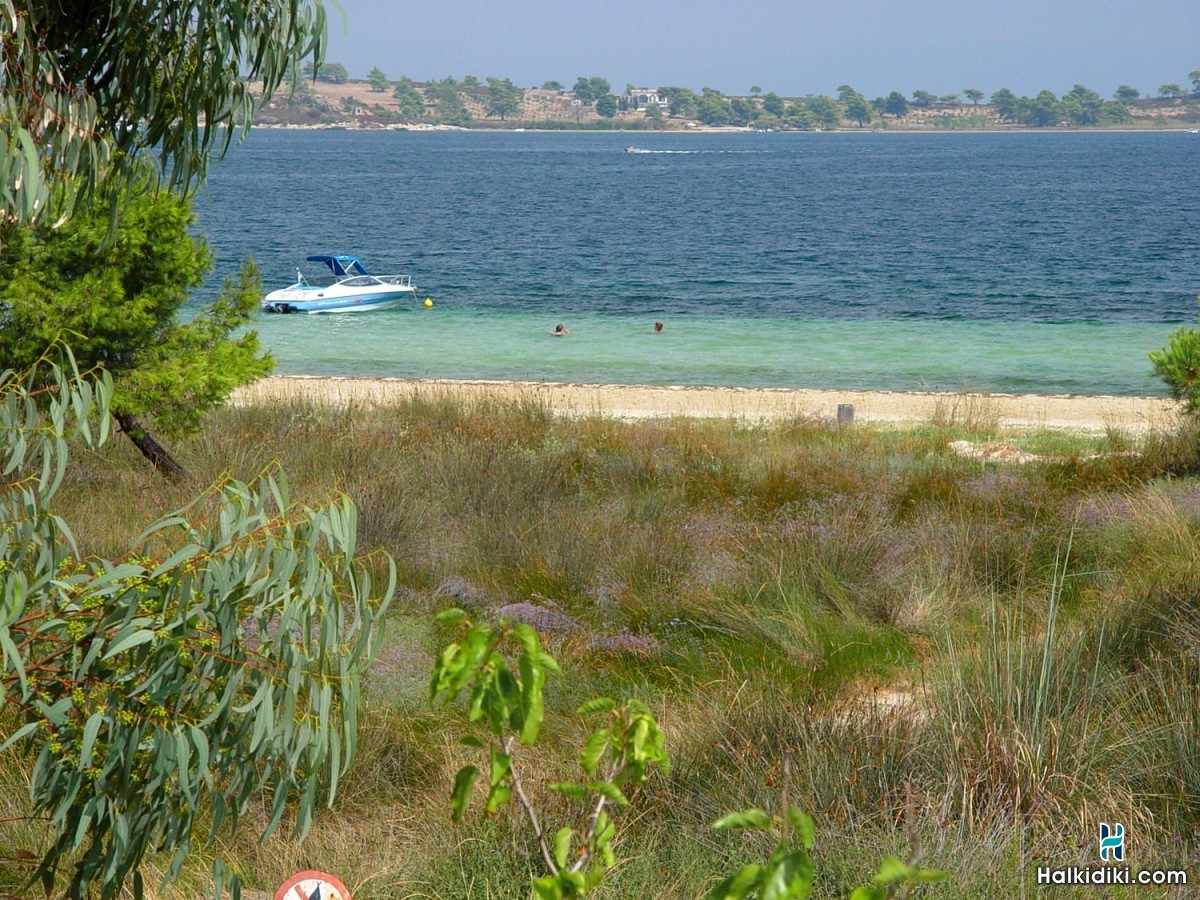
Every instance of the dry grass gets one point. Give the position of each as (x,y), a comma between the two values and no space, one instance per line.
(758,586)
(972,413)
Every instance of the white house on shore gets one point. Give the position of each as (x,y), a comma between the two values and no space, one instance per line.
(640,98)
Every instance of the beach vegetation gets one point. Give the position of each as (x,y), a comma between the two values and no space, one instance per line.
(1082,106)
(1178,365)
(67,141)
(116,297)
(624,751)
(960,123)
(979,656)
(1040,111)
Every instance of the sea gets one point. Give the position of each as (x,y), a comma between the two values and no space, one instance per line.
(1020,263)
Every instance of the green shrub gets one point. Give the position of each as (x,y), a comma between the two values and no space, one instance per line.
(1178,364)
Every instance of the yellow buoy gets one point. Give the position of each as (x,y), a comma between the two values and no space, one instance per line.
(428,303)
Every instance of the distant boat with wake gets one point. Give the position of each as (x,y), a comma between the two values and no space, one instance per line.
(643,150)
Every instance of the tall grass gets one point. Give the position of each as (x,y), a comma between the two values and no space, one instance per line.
(852,617)
(972,413)
(1021,726)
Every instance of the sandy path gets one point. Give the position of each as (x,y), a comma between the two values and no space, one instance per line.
(1084,413)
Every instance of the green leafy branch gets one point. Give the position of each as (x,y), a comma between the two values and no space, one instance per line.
(622,751)
(220,661)
(899,879)
(788,873)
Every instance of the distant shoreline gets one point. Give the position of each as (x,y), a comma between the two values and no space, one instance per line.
(1086,413)
(718,129)
(344,102)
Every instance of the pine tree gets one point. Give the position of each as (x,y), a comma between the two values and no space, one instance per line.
(114,298)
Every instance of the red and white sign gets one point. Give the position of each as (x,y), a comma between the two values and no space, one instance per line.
(312,885)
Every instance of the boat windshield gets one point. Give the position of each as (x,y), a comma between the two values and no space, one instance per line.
(313,277)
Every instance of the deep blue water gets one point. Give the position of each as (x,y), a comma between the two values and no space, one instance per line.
(1030,262)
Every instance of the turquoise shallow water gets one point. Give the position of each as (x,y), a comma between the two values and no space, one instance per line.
(448,342)
(1025,263)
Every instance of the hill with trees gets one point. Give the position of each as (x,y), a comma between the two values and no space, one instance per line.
(329,98)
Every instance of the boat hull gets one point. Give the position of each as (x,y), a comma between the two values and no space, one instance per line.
(303,301)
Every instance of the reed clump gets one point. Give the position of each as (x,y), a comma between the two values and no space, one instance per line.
(857,618)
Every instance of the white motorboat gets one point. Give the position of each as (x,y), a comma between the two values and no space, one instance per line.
(349,288)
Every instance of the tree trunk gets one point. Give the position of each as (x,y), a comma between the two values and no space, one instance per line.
(150,448)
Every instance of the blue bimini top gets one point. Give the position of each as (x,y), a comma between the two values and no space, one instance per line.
(340,265)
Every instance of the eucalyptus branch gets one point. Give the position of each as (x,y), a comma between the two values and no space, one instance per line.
(226,707)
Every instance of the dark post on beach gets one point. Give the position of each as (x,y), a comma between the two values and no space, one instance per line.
(845,414)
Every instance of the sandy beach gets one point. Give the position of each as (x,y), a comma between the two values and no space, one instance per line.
(1081,413)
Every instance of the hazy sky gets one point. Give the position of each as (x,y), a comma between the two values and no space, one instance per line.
(792,47)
